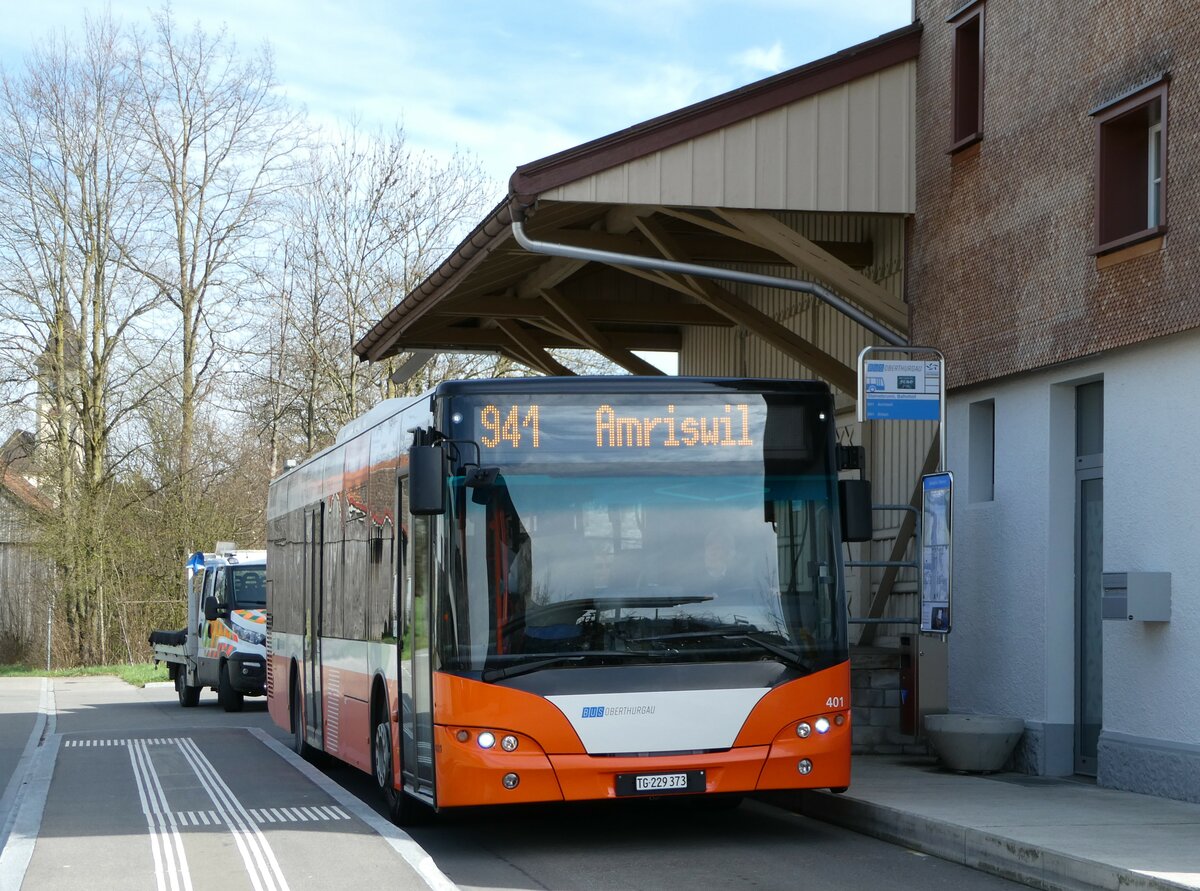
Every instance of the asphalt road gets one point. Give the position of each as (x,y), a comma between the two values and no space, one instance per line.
(144,794)
(131,791)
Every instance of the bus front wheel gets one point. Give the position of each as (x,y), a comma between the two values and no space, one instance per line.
(402,808)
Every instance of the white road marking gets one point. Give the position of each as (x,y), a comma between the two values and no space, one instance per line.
(399,840)
(166,844)
(256,852)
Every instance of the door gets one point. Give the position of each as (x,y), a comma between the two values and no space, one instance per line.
(314,539)
(1089,712)
(1089,564)
(404,610)
(416,668)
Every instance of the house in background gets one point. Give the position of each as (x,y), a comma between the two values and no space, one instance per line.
(24,574)
(1053,259)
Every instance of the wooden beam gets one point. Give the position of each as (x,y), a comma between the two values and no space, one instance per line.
(903,536)
(548,274)
(723,229)
(445,338)
(769,232)
(643,312)
(779,336)
(526,346)
(597,340)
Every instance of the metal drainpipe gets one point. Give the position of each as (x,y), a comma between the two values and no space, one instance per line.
(659,265)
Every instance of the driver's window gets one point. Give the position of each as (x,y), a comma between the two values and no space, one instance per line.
(219,586)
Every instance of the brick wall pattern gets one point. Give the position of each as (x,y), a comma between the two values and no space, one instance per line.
(1002,277)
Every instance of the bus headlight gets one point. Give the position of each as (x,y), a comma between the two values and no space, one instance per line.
(487,739)
(508,743)
(822,725)
(805,766)
(803,730)
(510,780)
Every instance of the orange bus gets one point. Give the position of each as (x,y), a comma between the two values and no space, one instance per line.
(566,589)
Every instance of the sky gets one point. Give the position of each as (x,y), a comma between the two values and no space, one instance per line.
(506,82)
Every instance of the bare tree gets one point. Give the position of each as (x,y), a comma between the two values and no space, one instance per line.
(220,141)
(370,220)
(70,194)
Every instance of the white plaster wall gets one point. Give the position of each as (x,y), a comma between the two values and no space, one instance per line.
(997,644)
(1012,649)
(1151,511)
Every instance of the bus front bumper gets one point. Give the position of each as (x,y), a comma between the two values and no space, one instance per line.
(470,774)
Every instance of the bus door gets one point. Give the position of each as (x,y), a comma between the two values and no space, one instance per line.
(314,537)
(416,669)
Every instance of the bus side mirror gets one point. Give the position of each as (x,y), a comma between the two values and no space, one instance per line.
(855,498)
(426,480)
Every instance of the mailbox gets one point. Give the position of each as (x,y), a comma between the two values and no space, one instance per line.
(1137,596)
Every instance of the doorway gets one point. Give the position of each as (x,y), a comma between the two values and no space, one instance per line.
(1089,564)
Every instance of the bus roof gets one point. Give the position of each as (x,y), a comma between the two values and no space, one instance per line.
(629,384)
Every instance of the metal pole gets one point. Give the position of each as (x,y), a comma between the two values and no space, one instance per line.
(658,264)
(49,629)
(941,412)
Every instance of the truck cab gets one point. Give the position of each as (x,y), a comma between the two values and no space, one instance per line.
(230,624)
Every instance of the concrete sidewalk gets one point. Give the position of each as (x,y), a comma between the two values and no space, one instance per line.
(1046,832)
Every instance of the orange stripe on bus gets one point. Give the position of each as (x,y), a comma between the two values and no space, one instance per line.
(788,703)
(463,702)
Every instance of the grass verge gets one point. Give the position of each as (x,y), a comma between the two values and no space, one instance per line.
(139,674)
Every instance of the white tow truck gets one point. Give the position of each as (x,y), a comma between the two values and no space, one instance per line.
(224,645)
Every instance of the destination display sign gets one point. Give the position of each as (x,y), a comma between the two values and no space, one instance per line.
(685,427)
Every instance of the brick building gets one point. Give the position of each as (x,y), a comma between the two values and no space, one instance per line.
(1052,257)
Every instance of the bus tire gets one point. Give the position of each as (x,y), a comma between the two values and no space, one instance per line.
(231,700)
(189,697)
(403,809)
(299,745)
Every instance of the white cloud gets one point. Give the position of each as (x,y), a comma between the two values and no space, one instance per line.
(509,83)
(767,60)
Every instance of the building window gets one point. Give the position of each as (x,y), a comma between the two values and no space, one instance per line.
(981,445)
(967,76)
(1131,167)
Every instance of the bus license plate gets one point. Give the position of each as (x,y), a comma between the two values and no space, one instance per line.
(660,783)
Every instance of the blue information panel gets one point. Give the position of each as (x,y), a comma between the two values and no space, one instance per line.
(937,491)
(902,390)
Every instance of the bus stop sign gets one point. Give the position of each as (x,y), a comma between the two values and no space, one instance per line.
(902,390)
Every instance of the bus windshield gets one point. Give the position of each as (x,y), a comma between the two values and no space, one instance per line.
(593,553)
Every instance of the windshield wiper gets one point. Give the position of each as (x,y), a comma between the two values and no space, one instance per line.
(789,657)
(785,655)
(496,674)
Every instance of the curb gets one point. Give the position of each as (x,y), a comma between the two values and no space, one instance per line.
(976,848)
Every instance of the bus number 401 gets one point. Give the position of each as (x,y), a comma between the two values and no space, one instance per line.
(835,702)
